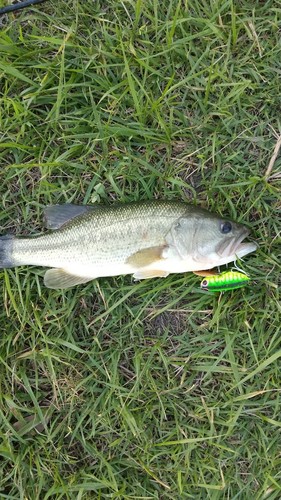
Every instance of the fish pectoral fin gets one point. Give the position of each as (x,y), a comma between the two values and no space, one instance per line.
(57,215)
(145,257)
(143,274)
(207,272)
(59,278)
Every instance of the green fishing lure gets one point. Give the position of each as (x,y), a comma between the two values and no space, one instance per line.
(228,280)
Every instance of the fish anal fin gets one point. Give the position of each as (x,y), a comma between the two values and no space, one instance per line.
(207,272)
(143,274)
(59,278)
(146,257)
(57,215)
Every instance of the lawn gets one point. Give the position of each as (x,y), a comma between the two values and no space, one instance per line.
(141,390)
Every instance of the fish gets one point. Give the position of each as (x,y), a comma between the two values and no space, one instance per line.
(228,280)
(146,239)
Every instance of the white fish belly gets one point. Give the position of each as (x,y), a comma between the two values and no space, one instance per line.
(100,271)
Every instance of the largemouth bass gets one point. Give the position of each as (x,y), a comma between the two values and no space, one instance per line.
(146,239)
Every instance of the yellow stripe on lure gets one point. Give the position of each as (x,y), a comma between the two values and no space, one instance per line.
(228,280)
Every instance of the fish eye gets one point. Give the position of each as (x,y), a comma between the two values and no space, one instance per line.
(226,227)
(204,283)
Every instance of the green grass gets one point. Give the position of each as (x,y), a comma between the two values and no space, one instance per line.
(149,390)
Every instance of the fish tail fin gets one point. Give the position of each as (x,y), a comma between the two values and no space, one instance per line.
(6,247)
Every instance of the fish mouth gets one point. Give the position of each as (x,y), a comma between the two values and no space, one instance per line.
(235,247)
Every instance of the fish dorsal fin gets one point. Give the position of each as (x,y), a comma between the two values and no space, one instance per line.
(57,215)
(59,278)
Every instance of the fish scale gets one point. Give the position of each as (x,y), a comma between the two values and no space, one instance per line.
(90,238)
(146,239)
